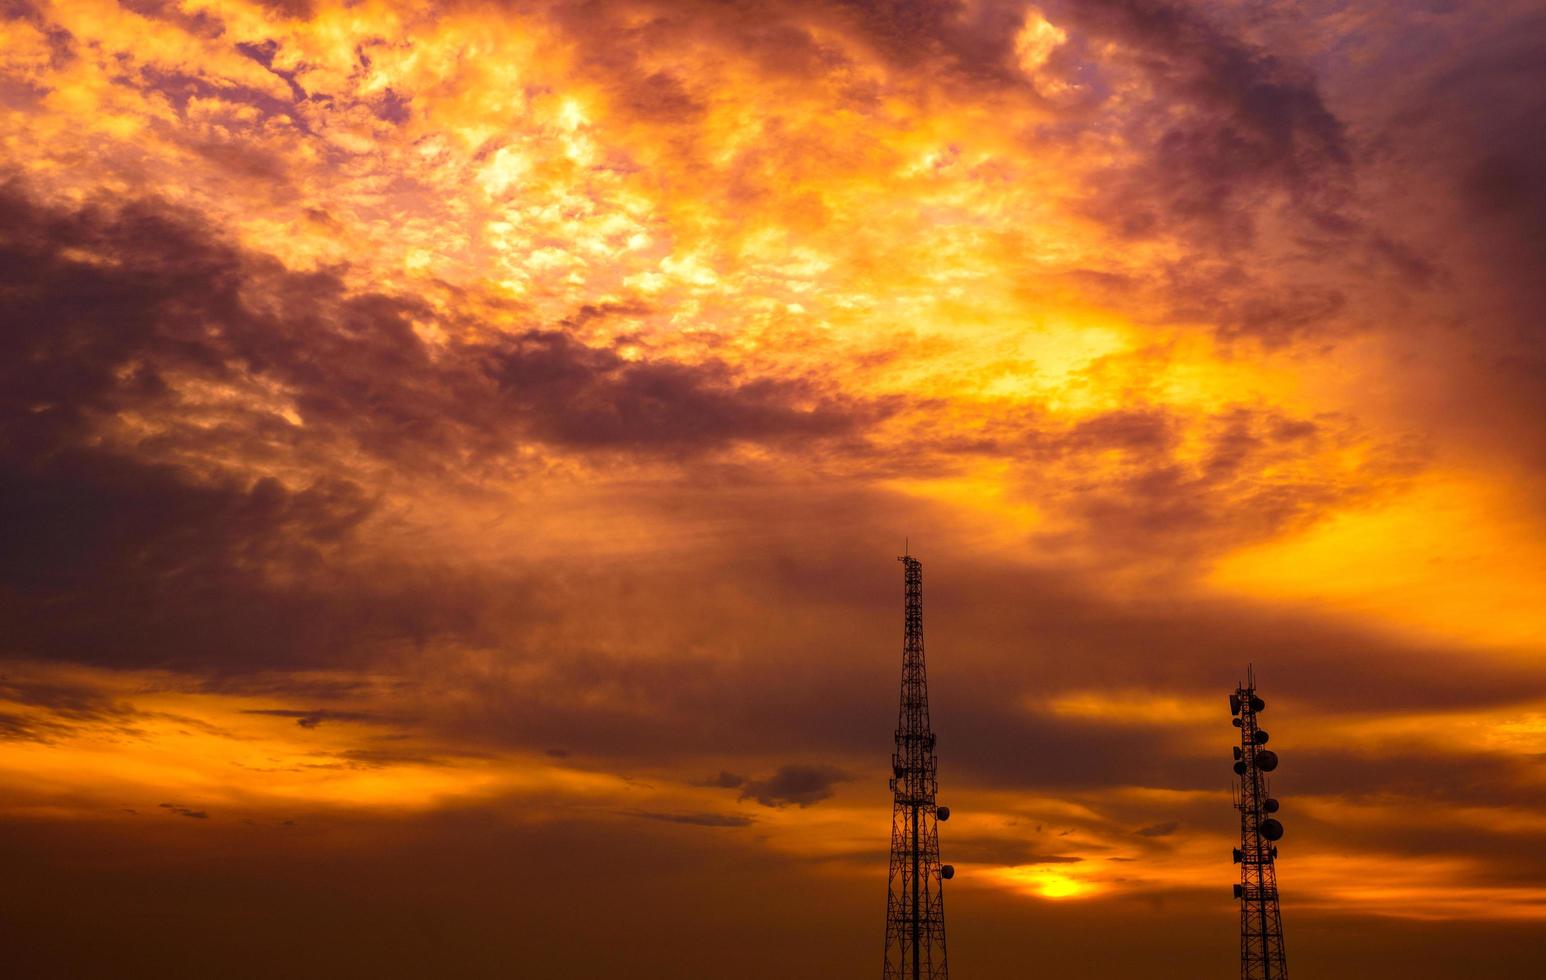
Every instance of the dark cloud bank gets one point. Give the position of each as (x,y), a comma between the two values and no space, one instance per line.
(146,549)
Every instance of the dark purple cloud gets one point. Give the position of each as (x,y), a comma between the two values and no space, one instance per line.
(140,549)
(801,785)
(313,718)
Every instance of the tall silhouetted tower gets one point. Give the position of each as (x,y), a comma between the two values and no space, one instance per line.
(1261,928)
(915,907)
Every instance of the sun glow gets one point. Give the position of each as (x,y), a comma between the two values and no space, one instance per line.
(1045,882)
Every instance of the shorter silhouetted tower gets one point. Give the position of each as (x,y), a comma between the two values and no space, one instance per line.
(1261,927)
(915,904)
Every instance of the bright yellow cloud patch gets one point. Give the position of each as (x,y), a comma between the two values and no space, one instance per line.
(1453,560)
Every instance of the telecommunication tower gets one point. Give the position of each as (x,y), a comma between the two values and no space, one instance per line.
(915,905)
(1261,927)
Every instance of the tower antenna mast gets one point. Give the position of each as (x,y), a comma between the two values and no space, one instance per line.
(1261,926)
(915,904)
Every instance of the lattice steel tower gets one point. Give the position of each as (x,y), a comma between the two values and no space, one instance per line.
(915,906)
(1261,927)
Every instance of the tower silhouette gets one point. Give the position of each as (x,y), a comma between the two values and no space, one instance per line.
(915,905)
(1261,927)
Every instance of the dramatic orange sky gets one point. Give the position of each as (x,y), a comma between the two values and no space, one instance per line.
(452,460)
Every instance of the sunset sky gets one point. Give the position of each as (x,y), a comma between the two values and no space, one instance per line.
(453,458)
